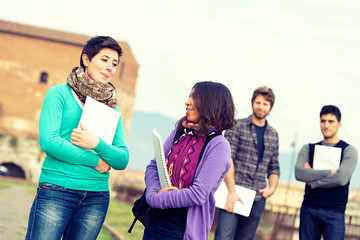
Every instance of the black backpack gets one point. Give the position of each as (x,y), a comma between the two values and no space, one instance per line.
(141,208)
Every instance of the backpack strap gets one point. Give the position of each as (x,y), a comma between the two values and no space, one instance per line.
(132,225)
(208,139)
(140,211)
(178,134)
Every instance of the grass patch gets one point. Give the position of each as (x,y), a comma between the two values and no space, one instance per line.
(5,183)
(104,235)
(120,217)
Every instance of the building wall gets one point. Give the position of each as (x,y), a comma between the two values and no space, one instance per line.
(24,153)
(23,59)
(25,53)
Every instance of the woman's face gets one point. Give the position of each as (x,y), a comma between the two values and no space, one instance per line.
(102,66)
(192,113)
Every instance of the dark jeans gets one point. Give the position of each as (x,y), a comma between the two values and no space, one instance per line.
(315,222)
(234,226)
(73,214)
(153,235)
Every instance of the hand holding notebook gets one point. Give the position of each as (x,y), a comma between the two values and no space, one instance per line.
(246,195)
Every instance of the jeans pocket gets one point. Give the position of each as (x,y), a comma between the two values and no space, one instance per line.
(50,186)
(105,194)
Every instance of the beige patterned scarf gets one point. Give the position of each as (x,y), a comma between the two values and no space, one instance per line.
(84,86)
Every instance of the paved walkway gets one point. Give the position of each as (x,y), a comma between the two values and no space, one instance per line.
(15,203)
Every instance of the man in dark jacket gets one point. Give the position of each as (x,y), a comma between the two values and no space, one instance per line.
(327,188)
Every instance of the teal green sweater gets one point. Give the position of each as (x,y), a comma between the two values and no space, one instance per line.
(68,165)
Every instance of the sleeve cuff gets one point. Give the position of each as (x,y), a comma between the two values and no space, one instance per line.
(102,145)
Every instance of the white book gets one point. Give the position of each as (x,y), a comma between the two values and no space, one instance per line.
(326,157)
(246,195)
(160,159)
(100,119)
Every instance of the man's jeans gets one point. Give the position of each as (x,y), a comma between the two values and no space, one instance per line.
(234,226)
(73,214)
(317,221)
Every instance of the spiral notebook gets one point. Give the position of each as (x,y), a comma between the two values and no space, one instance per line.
(160,159)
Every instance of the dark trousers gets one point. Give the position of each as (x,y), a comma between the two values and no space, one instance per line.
(315,222)
(234,226)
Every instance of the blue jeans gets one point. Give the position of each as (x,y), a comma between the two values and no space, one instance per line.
(73,214)
(234,226)
(317,221)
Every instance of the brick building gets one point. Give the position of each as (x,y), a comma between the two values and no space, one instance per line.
(33,59)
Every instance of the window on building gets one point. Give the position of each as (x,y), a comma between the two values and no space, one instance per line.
(43,77)
(122,69)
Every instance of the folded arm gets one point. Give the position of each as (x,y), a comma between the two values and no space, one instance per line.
(56,126)
(116,155)
(52,134)
(305,174)
(344,173)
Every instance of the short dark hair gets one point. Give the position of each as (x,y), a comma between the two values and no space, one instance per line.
(215,105)
(331,109)
(95,44)
(266,92)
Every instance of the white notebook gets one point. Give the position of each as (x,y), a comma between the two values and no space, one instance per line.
(326,157)
(246,195)
(100,119)
(160,159)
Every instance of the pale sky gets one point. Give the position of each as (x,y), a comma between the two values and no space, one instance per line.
(308,52)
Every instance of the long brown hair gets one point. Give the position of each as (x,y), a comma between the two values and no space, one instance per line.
(216,107)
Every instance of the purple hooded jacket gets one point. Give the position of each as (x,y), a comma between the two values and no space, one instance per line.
(199,198)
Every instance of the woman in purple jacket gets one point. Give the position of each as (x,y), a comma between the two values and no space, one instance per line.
(197,163)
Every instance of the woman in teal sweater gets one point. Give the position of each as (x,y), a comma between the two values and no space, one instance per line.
(73,193)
